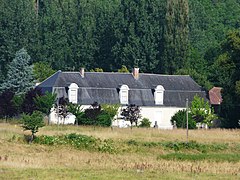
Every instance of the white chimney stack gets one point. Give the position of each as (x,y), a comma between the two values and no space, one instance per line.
(82,72)
(135,73)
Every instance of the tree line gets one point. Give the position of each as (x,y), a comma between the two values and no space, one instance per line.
(193,37)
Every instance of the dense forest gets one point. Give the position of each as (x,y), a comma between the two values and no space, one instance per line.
(196,37)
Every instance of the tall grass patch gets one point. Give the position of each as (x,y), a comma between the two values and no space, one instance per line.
(79,141)
(201,157)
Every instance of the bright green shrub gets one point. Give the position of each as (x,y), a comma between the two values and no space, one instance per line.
(145,123)
(180,118)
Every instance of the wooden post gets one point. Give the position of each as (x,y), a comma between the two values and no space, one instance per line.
(187,116)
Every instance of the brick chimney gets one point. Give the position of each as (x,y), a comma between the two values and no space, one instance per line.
(135,73)
(82,72)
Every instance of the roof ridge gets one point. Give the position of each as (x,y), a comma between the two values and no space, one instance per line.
(125,73)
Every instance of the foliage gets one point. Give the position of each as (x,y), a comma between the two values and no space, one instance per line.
(96,114)
(111,110)
(201,111)
(82,142)
(202,157)
(45,102)
(174,36)
(62,108)
(131,113)
(145,123)
(7,106)
(181,121)
(32,122)
(29,105)
(42,70)
(228,71)
(93,112)
(18,102)
(104,119)
(96,70)
(19,75)
(76,110)
(123,69)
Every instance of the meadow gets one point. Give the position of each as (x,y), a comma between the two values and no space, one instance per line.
(76,152)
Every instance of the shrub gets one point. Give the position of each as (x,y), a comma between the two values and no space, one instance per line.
(98,115)
(180,118)
(32,122)
(145,123)
(104,119)
(78,141)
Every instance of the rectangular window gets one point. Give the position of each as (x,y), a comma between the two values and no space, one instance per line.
(73,96)
(124,97)
(159,97)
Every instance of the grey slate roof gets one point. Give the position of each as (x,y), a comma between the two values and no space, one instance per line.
(103,87)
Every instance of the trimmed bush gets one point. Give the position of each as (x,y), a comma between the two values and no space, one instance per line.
(145,123)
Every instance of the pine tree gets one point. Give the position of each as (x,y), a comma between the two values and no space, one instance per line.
(19,75)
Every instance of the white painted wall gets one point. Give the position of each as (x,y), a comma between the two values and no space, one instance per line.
(54,119)
(160,114)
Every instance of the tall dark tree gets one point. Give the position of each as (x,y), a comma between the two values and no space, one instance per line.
(175,36)
(18,29)
(227,69)
(29,105)
(7,107)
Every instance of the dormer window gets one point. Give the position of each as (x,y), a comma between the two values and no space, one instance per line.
(73,93)
(123,94)
(159,94)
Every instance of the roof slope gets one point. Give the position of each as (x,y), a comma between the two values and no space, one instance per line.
(215,96)
(103,87)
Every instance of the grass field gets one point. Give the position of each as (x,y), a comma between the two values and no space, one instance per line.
(130,154)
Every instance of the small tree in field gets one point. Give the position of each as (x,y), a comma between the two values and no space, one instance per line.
(32,122)
(131,113)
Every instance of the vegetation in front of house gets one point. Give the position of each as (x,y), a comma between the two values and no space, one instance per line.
(131,113)
(96,114)
(145,123)
(200,111)
(181,122)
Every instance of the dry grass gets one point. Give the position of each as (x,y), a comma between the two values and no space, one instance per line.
(19,160)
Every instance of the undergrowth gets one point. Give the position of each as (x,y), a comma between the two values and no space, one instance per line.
(201,157)
(78,141)
(179,146)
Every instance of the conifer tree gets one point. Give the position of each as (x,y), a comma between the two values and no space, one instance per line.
(20,75)
(175,36)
